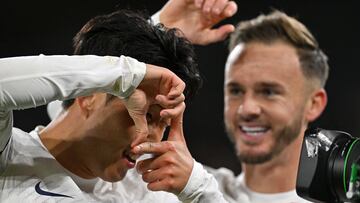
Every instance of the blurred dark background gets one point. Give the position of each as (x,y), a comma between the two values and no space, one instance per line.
(47,27)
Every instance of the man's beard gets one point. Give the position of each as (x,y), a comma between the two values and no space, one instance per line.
(281,140)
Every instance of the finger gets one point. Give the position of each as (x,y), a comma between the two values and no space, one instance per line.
(150,165)
(208,4)
(136,104)
(176,132)
(142,134)
(177,88)
(198,3)
(174,112)
(145,166)
(219,6)
(230,9)
(170,84)
(158,174)
(166,184)
(153,148)
(166,102)
(158,185)
(219,34)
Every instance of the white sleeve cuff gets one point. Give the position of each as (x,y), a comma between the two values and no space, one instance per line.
(201,187)
(133,73)
(156,18)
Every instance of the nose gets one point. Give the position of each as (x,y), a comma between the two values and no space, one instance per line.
(155,133)
(249,108)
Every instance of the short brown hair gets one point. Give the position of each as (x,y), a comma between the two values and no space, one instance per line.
(277,26)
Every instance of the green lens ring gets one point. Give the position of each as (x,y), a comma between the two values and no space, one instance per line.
(345,163)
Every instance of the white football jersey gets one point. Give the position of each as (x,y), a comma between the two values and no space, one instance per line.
(29,173)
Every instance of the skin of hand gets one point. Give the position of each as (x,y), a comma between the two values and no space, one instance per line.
(160,86)
(172,164)
(196,19)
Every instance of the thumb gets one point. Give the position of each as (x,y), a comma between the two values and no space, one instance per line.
(176,129)
(220,33)
(136,105)
(141,129)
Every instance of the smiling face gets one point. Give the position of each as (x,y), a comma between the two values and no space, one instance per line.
(109,134)
(265,100)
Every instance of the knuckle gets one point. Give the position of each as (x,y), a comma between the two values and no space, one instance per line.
(141,132)
(145,178)
(183,105)
(169,171)
(182,97)
(151,187)
(183,84)
(170,184)
(169,159)
(169,146)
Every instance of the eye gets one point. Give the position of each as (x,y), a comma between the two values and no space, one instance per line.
(149,117)
(235,91)
(269,92)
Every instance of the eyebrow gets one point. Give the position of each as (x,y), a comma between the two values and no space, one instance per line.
(232,84)
(272,85)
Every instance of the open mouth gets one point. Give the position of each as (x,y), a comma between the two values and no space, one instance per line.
(129,156)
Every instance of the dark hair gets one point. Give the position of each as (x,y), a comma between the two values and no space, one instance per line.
(279,26)
(129,33)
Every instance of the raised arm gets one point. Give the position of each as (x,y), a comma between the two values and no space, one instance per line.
(197,18)
(31,81)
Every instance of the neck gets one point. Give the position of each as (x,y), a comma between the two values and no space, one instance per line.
(61,138)
(276,175)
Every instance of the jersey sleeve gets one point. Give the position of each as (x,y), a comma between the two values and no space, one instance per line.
(32,81)
(201,187)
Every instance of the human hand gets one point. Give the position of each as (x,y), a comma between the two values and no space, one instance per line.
(172,165)
(159,86)
(196,19)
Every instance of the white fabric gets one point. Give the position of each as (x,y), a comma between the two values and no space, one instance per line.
(32,81)
(156,18)
(234,189)
(54,109)
(29,173)
(27,163)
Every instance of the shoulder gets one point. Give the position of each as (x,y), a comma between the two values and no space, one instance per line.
(230,185)
(23,148)
(221,173)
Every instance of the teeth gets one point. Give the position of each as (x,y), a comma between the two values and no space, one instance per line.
(254,131)
(130,156)
(133,156)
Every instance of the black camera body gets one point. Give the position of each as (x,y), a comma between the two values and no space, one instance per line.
(325,167)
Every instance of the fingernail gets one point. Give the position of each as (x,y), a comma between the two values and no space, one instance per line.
(158,98)
(137,149)
(229,13)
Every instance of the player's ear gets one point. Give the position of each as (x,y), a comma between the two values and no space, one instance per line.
(86,104)
(316,104)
